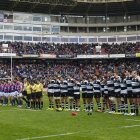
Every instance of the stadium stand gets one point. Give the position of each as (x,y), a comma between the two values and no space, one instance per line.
(56,46)
(73,49)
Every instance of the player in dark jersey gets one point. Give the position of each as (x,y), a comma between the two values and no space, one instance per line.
(110,85)
(64,95)
(57,94)
(102,84)
(71,93)
(50,94)
(97,92)
(84,93)
(104,90)
(128,79)
(117,89)
(135,91)
(76,89)
(124,95)
(89,87)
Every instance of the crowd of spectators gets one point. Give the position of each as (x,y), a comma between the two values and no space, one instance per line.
(124,48)
(5,71)
(77,70)
(21,48)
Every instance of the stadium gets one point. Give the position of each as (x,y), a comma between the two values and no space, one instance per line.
(69,69)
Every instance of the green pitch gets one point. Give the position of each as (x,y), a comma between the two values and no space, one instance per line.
(22,124)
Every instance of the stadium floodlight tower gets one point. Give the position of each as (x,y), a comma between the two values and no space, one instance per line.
(6,52)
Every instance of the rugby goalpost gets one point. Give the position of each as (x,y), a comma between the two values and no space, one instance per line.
(6,52)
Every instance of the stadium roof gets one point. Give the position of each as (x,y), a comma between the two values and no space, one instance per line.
(80,7)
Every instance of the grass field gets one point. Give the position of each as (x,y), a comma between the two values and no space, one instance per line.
(22,124)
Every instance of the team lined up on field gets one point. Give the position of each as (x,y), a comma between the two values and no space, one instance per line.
(15,92)
(65,94)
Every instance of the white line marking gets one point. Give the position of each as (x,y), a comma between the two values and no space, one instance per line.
(16,109)
(131,126)
(32,138)
(27,109)
(133,120)
(8,110)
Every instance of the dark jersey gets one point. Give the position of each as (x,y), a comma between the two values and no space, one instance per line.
(117,87)
(135,85)
(123,86)
(110,84)
(64,87)
(83,87)
(89,88)
(76,89)
(70,86)
(96,86)
(105,89)
(50,88)
(128,83)
(102,85)
(56,87)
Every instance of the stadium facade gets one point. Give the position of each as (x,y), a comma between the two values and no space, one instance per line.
(98,21)
(17,26)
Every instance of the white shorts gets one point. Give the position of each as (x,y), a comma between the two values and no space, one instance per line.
(71,98)
(15,93)
(19,95)
(9,94)
(12,94)
(1,93)
(6,94)
(57,97)
(113,99)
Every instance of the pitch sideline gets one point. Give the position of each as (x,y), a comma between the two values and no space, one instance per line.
(32,138)
(132,120)
(130,126)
